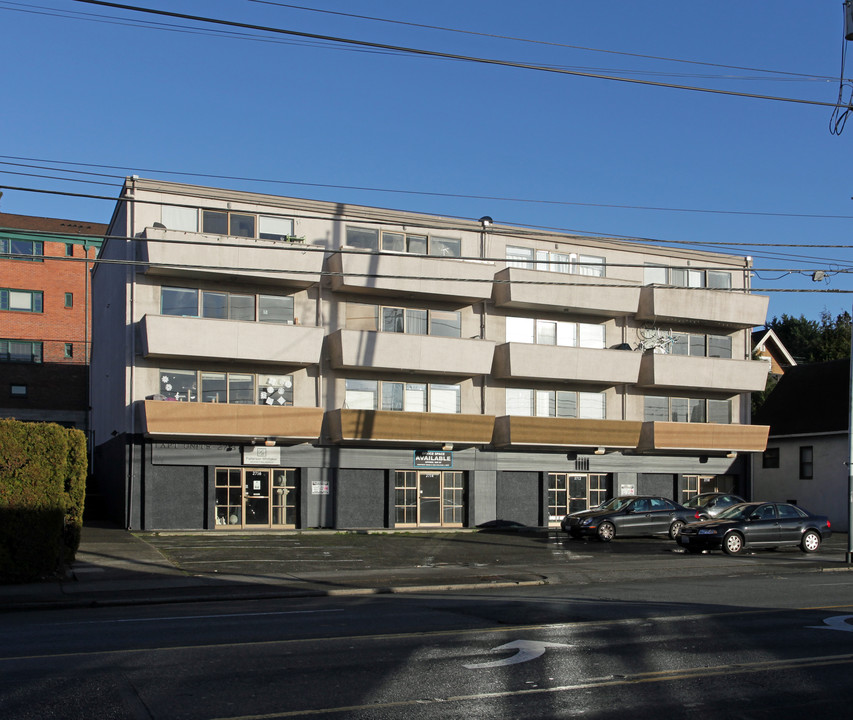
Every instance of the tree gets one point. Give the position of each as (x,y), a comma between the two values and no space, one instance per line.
(811,341)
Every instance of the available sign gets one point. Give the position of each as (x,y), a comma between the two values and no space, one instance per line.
(319,487)
(433,458)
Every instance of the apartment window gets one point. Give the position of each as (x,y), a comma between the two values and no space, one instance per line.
(693,410)
(806,462)
(445,247)
(366,238)
(21,300)
(181,385)
(69,300)
(553,261)
(20,351)
(226,306)
(525,402)
(180,218)
(655,274)
(218,222)
(18,391)
(549,332)
(32,250)
(275,390)
(68,351)
(719,346)
(590,265)
(404,242)
(414,321)
(275,228)
(69,249)
(770,458)
(397,396)
(519,257)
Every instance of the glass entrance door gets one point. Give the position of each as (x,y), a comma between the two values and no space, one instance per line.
(429,498)
(256,498)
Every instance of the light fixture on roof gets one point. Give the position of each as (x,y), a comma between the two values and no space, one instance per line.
(486,221)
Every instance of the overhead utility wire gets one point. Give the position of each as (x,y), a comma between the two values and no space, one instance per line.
(540,42)
(450,56)
(426,193)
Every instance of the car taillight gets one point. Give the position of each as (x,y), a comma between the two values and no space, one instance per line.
(697,515)
(828,524)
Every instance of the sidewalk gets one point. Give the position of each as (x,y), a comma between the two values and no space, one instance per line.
(116,567)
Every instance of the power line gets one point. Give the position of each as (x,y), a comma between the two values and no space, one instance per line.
(450,56)
(542,42)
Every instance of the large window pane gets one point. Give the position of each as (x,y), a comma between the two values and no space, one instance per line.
(179,301)
(680,344)
(214,222)
(179,385)
(445,399)
(213,388)
(446,323)
(567,404)
(697,410)
(718,279)
(590,265)
(679,409)
(242,225)
(519,401)
(520,330)
(697,345)
(561,262)
(366,238)
(362,317)
(445,247)
(591,336)
(654,275)
(214,305)
(416,397)
(416,322)
(274,228)
(361,394)
(275,308)
(241,307)
(180,218)
(241,389)
(393,320)
(720,411)
(275,390)
(546,405)
(416,244)
(546,333)
(656,409)
(567,334)
(591,405)
(392,396)
(719,346)
(519,257)
(394,242)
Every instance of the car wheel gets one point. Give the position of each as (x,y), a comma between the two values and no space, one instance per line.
(675,529)
(810,542)
(606,531)
(733,543)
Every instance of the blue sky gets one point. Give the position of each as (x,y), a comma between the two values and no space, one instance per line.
(89,85)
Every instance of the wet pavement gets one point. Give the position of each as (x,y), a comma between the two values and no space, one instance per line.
(114,566)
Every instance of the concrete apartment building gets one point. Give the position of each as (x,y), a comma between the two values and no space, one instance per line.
(271,362)
(45,317)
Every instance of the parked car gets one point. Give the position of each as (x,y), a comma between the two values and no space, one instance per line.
(756,525)
(628,515)
(709,505)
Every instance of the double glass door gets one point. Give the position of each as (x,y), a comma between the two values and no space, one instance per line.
(256,497)
(429,498)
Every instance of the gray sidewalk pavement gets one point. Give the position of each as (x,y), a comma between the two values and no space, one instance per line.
(117,567)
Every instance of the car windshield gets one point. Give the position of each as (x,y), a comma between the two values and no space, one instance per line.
(738,512)
(698,501)
(616,503)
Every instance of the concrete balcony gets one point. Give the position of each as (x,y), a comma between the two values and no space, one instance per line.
(185,254)
(240,423)
(166,336)
(413,429)
(576,294)
(702,373)
(574,433)
(703,437)
(705,307)
(404,275)
(402,352)
(551,362)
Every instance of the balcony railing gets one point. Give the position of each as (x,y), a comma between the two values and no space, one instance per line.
(550,362)
(713,374)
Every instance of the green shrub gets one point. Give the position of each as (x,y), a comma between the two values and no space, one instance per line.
(42,490)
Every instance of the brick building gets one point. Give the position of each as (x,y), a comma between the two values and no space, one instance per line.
(45,317)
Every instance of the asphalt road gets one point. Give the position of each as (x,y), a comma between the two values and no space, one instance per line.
(764,645)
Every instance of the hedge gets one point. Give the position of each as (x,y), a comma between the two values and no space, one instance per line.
(42,491)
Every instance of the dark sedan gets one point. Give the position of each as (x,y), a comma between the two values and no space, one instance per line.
(757,525)
(709,505)
(628,515)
